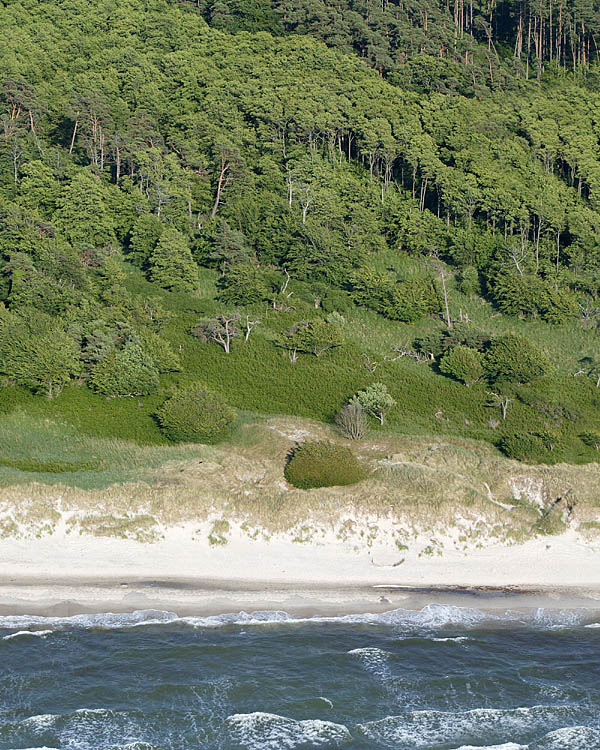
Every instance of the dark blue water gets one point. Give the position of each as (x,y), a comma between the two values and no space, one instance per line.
(441,678)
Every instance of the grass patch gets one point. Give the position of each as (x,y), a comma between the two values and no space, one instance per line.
(54,452)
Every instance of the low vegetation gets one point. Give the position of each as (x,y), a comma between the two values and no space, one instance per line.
(195,415)
(319,463)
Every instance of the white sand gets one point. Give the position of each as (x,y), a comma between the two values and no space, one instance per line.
(274,572)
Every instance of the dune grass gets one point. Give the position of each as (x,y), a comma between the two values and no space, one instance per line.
(42,450)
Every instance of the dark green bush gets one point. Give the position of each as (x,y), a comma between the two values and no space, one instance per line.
(318,463)
(462,363)
(125,372)
(468,281)
(195,415)
(591,439)
(531,447)
(512,358)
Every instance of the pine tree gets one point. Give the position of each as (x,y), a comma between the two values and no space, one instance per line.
(82,215)
(171,263)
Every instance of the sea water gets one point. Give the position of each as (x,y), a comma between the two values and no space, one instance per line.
(441,677)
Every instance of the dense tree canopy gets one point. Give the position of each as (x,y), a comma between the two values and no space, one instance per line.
(314,157)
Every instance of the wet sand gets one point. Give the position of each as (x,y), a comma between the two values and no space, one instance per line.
(72,596)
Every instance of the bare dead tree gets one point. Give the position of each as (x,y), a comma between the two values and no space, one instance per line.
(352,421)
(305,199)
(588,314)
(221,330)
(500,401)
(249,325)
(404,351)
(370,364)
(280,301)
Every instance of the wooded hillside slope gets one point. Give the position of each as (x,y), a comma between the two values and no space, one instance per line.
(354,192)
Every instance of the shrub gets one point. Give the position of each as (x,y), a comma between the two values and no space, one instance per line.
(468,281)
(462,363)
(319,463)
(468,335)
(43,362)
(591,439)
(430,343)
(165,359)
(531,447)
(352,421)
(196,415)
(244,284)
(514,359)
(375,400)
(125,372)
(312,337)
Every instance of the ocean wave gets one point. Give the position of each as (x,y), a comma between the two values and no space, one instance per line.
(569,738)
(431,617)
(21,633)
(374,660)
(264,731)
(455,639)
(418,730)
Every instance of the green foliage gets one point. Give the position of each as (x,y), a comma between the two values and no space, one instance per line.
(319,463)
(82,213)
(591,439)
(144,236)
(532,447)
(41,358)
(160,352)
(312,337)
(463,363)
(125,372)
(407,300)
(244,285)
(162,135)
(514,359)
(375,400)
(195,415)
(528,294)
(171,264)
(469,281)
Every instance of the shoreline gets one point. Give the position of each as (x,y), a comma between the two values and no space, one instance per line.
(77,596)
(68,572)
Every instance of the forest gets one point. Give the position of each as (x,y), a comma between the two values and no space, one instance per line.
(293,205)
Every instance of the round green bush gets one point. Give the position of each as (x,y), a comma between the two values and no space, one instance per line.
(125,372)
(318,463)
(462,363)
(195,415)
(531,447)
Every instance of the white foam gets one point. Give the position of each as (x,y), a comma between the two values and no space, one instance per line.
(374,660)
(264,731)
(457,639)
(593,625)
(569,738)
(504,746)
(41,722)
(19,633)
(106,620)
(422,729)
(432,617)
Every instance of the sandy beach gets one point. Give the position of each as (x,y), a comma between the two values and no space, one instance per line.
(66,573)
